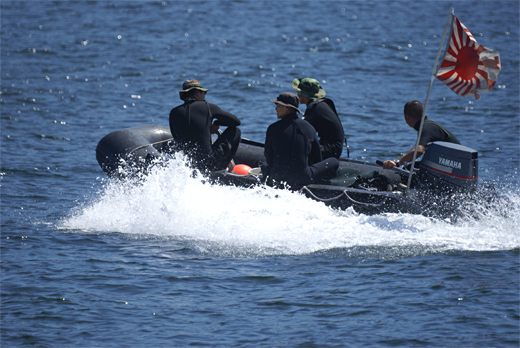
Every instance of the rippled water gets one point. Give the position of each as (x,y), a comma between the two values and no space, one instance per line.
(175,261)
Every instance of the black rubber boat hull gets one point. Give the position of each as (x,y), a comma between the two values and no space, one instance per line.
(365,187)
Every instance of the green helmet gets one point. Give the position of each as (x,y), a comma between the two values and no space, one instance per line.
(309,88)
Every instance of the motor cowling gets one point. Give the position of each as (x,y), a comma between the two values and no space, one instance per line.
(450,166)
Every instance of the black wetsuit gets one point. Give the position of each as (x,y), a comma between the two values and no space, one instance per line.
(433,131)
(322,115)
(292,153)
(190,124)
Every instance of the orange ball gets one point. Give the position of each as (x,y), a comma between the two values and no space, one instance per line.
(241,169)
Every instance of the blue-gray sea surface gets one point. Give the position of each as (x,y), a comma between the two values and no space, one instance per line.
(174,261)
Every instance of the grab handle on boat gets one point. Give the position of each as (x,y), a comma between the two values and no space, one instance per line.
(400,171)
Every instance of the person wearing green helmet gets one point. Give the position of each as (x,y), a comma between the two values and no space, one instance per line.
(322,115)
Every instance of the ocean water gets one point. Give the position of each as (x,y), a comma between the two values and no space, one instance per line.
(175,261)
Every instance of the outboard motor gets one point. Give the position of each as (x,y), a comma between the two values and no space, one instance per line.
(450,166)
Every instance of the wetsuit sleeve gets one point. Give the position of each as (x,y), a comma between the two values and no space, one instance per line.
(310,134)
(268,153)
(173,115)
(268,149)
(315,155)
(223,118)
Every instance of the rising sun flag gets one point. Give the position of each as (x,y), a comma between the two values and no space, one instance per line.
(467,67)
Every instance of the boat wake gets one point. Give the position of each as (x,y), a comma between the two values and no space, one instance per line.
(172,204)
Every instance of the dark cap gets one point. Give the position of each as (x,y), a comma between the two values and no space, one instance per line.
(289,100)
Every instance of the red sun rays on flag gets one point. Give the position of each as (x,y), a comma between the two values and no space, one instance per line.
(468,67)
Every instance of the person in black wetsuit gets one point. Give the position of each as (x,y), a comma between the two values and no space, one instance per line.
(292,149)
(322,115)
(191,125)
(432,131)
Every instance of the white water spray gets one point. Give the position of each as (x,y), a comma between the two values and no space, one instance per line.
(170,203)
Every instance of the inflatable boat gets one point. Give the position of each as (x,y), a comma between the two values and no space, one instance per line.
(446,174)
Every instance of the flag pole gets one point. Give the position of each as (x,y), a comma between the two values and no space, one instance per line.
(434,72)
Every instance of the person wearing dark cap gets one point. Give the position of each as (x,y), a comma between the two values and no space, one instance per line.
(292,150)
(432,131)
(191,125)
(322,115)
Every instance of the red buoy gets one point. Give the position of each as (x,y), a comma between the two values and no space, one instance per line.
(242,169)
